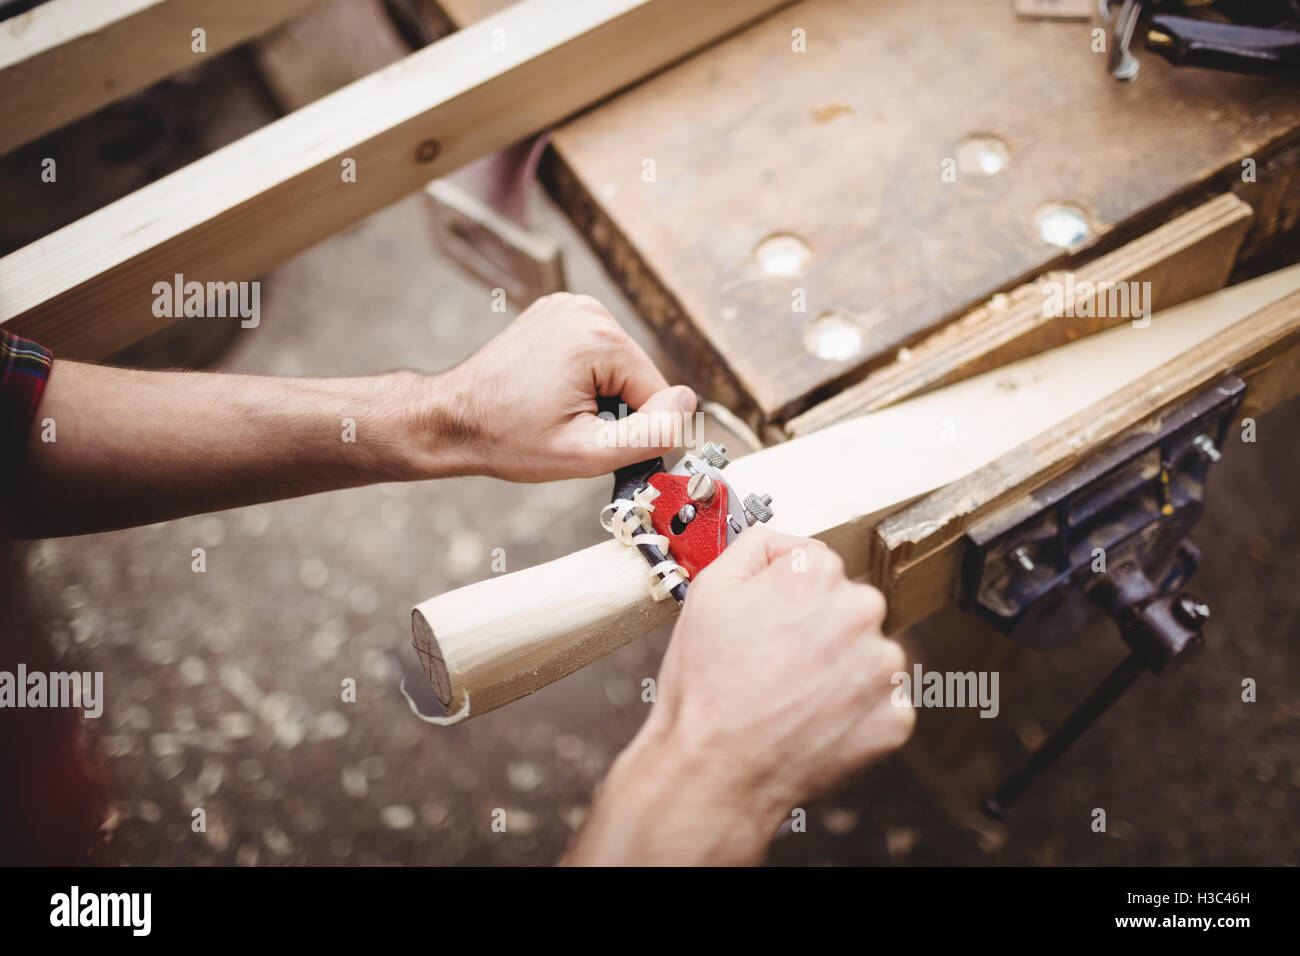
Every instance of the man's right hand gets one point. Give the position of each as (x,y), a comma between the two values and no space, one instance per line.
(775,688)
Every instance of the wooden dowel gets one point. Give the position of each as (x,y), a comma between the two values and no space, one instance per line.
(492,642)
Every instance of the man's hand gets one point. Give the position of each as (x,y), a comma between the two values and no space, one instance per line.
(775,688)
(526,402)
(137,447)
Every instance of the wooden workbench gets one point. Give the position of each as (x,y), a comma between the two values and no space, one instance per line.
(843,147)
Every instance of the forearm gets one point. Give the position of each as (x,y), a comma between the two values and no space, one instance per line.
(663,804)
(135,447)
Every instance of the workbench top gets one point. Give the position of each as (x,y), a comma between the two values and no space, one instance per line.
(788,220)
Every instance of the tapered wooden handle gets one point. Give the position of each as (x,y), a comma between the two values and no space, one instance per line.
(487,644)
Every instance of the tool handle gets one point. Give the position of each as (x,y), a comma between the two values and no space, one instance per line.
(487,644)
(630,479)
(1234,47)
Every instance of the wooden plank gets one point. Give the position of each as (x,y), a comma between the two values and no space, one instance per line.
(87,290)
(1061,9)
(67,58)
(917,552)
(496,640)
(1186,258)
(843,146)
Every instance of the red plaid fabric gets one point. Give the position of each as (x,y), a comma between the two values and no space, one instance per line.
(24,369)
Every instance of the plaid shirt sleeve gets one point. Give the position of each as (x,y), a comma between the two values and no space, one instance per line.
(24,369)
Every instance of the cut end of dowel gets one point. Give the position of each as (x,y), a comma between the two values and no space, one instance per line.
(431,659)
